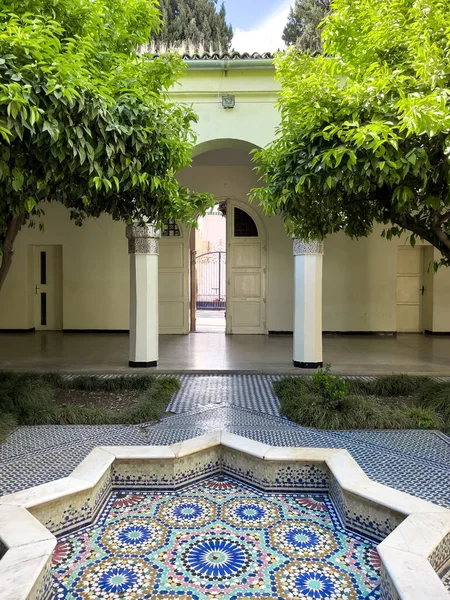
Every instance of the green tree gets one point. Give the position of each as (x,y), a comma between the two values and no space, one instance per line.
(365,128)
(196,22)
(84,119)
(302,28)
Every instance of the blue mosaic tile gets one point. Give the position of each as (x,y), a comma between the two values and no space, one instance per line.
(445,576)
(416,462)
(30,470)
(225,417)
(254,392)
(430,445)
(218,539)
(403,472)
(29,440)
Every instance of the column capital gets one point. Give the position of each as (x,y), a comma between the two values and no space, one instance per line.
(307,247)
(143,239)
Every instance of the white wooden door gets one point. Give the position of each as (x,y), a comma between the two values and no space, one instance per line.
(47,275)
(246,271)
(409,289)
(173,284)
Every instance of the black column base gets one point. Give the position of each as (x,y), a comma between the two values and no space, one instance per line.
(143,365)
(307,365)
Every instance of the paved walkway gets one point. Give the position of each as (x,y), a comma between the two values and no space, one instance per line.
(218,353)
(417,462)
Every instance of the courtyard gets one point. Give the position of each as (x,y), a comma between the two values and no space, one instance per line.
(224,301)
(415,462)
(217,353)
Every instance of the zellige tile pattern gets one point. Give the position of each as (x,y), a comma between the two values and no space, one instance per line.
(217,539)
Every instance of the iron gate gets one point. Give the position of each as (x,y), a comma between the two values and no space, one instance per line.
(211,280)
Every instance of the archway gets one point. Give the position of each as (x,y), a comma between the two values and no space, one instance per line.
(224,168)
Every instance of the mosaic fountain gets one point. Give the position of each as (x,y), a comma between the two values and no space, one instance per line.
(220,517)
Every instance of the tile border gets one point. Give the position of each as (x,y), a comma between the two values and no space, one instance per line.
(413,529)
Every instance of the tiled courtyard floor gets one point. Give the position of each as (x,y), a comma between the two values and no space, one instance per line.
(417,462)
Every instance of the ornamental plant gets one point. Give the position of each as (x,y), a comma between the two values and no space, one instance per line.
(331,388)
(365,127)
(85,119)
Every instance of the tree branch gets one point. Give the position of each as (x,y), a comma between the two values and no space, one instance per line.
(443,218)
(431,236)
(14,226)
(436,227)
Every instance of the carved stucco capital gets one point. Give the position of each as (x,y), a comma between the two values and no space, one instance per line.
(307,247)
(143,239)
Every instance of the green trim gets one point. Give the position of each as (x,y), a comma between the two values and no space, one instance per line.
(228,65)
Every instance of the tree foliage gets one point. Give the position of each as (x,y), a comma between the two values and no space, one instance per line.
(195,21)
(303,27)
(365,128)
(84,119)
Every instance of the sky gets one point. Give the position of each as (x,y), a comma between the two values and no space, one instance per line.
(258,24)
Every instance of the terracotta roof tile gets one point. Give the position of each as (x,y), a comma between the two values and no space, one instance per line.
(228,56)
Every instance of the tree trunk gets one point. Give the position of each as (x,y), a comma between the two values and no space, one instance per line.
(14,227)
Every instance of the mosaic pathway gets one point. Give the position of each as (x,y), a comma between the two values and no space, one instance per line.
(217,539)
(417,462)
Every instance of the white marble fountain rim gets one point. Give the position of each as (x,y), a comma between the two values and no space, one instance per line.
(404,553)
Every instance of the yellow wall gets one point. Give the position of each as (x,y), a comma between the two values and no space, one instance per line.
(428,282)
(441,298)
(15,309)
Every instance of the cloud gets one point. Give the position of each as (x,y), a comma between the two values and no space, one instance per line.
(266,37)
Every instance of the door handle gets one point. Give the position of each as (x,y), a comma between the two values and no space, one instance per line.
(37,289)
(422,289)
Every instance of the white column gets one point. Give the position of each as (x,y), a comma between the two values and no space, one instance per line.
(143,248)
(308,304)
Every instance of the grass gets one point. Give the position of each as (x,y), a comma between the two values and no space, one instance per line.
(327,401)
(28,399)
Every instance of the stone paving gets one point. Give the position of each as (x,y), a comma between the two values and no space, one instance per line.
(219,353)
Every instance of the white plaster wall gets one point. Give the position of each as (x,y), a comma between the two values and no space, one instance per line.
(254,117)
(441,299)
(359,277)
(359,283)
(95,273)
(236,182)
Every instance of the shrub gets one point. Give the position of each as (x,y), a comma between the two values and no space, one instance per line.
(332,388)
(356,412)
(396,385)
(424,418)
(110,384)
(306,402)
(27,399)
(436,395)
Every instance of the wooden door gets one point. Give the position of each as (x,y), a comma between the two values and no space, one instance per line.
(409,289)
(246,271)
(47,269)
(173,281)
(193,280)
